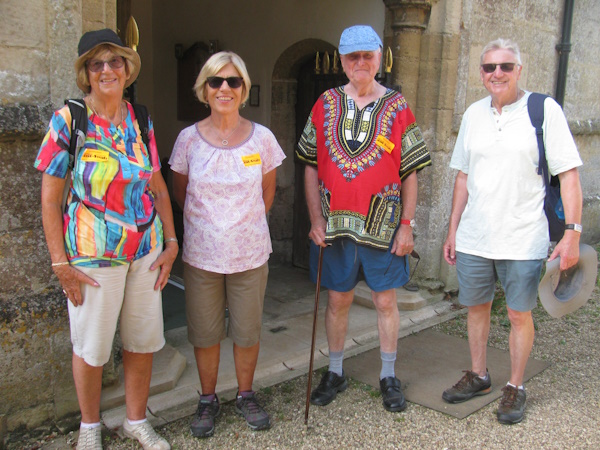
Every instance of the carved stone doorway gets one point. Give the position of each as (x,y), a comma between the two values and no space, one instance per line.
(294,91)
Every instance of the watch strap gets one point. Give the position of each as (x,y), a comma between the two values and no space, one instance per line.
(574,226)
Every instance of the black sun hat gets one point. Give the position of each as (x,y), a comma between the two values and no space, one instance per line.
(93,39)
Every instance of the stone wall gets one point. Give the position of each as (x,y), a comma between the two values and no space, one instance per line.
(450,82)
(38,42)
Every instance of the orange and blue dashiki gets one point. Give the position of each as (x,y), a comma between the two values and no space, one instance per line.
(361,157)
(110,216)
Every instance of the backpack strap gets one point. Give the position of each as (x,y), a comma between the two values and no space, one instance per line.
(141,114)
(79,124)
(535,108)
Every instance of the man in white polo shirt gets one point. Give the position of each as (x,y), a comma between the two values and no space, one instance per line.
(498,228)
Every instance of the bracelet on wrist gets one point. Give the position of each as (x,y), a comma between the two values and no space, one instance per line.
(64,263)
(171,240)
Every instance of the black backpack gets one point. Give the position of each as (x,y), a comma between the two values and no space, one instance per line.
(553,206)
(79,123)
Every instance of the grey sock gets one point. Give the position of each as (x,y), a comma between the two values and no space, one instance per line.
(335,362)
(388,360)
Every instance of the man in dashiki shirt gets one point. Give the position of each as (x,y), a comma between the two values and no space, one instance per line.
(362,149)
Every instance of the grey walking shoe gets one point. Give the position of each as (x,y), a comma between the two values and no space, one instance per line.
(256,417)
(512,405)
(90,439)
(468,387)
(203,424)
(145,435)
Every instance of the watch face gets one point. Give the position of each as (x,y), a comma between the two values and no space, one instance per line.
(412,223)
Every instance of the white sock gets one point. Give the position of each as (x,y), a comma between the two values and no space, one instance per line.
(89,425)
(518,387)
(136,422)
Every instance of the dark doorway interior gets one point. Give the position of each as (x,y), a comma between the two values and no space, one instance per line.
(310,86)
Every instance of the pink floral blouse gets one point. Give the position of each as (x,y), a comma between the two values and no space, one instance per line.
(225,225)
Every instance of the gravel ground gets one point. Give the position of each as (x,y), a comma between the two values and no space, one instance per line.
(562,410)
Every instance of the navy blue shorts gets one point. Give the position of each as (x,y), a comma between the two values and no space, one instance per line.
(345,263)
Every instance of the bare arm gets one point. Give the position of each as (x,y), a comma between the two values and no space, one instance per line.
(162,203)
(268,186)
(318,224)
(572,197)
(404,242)
(459,202)
(180,183)
(52,220)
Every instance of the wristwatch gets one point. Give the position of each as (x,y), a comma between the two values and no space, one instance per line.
(574,227)
(411,223)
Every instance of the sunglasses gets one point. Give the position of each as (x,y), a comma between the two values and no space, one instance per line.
(217,82)
(97,65)
(504,67)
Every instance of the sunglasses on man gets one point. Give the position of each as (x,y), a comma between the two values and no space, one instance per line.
(504,67)
(217,82)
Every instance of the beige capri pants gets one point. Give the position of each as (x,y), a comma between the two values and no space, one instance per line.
(127,293)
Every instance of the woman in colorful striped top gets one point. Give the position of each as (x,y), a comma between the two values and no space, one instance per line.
(106,245)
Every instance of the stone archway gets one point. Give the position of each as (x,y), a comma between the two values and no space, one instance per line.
(284,88)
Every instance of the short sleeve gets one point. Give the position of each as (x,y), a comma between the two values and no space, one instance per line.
(460,159)
(179,157)
(53,156)
(415,155)
(307,145)
(561,150)
(152,147)
(271,154)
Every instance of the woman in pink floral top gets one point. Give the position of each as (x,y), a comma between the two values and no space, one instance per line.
(224,181)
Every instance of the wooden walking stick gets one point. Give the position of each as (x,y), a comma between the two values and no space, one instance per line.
(314,335)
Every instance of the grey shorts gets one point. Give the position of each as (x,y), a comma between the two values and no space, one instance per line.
(208,293)
(477,279)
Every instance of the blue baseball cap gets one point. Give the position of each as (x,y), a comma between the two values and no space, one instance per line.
(359,38)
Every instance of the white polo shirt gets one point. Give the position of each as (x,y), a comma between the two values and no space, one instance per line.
(504,217)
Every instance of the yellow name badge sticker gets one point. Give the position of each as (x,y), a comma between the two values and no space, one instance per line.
(94,156)
(252,160)
(385,143)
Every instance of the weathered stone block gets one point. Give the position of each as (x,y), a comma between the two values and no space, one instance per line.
(23,24)
(29,364)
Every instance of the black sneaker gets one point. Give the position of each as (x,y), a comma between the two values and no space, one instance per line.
(512,405)
(203,424)
(393,399)
(256,417)
(467,387)
(330,385)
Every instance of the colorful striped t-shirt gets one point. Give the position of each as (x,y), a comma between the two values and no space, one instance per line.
(110,217)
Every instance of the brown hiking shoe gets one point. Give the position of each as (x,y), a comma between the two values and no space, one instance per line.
(467,387)
(512,405)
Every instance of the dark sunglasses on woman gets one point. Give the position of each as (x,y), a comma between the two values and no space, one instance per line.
(217,82)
